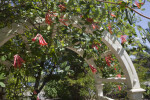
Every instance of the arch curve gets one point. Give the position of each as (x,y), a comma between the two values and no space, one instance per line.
(132,81)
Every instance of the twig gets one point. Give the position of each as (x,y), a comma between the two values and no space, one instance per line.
(108,2)
(138,12)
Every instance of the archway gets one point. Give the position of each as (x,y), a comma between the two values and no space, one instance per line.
(131,78)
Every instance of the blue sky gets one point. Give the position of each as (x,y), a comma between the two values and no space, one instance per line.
(144,21)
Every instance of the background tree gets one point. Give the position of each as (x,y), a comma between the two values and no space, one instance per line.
(141,62)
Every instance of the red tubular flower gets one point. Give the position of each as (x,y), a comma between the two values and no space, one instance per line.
(63,21)
(94,26)
(18,61)
(109,28)
(62,7)
(137,4)
(81,16)
(123,39)
(42,42)
(93,69)
(113,15)
(119,87)
(90,20)
(37,98)
(120,2)
(34,92)
(141,3)
(108,60)
(100,44)
(48,19)
(118,75)
(94,46)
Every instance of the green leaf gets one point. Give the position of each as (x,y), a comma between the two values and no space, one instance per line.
(3,58)
(67,68)
(149,24)
(143,9)
(2,76)
(60,71)
(113,8)
(2,84)
(48,27)
(9,55)
(78,9)
(70,2)
(64,64)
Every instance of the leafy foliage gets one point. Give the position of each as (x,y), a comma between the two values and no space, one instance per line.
(50,62)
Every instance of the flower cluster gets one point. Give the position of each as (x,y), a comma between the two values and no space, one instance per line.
(48,17)
(90,20)
(62,7)
(139,4)
(123,39)
(118,75)
(63,21)
(18,61)
(119,87)
(108,60)
(94,26)
(42,42)
(95,45)
(93,69)
(110,29)
(112,15)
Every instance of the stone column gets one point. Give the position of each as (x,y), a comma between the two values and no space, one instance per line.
(99,88)
(135,94)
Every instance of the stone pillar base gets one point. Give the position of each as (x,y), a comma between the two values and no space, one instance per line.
(135,94)
(99,88)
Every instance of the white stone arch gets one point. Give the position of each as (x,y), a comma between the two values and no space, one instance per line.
(131,78)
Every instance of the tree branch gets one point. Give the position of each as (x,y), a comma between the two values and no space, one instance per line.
(37,82)
(30,21)
(6,63)
(127,7)
(108,2)
(49,77)
(138,12)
